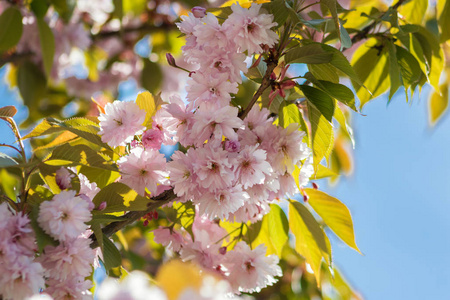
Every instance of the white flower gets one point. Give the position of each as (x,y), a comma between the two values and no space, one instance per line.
(143,169)
(251,270)
(306,171)
(64,216)
(122,121)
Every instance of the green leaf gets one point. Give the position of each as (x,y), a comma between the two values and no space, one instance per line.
(289,113)
(47,45)
(79,155)
(8,111)
(409,67)
(372,68)
(9,184)
(308,54)
(324,72)
(394,71)
(310,239)
(257,73)
(273,232)
(42,238)
(64,8)
(335,214)
(322,136)
(279,11)
(39,7)
(32,83)
(413,11)
(443,14)
(438,104)
(11,28)
(151,76)
(185,215)
(119,197)
(111,255)
(7,161)
(320,99)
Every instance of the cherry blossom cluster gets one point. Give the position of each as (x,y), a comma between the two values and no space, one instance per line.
(232,168)
(245,269)
(61,269)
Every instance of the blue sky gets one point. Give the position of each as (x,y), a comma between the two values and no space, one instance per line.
(398,196)
(399,199)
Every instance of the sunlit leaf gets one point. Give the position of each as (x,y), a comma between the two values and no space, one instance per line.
(146,102)
(311,241)
(175,277)
(335,214)
(438,104)
(120,197)
(413,11)
(443,15)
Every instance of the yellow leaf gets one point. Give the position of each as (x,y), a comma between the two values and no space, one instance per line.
(335,214)
(438,104)
(243,3)
(311,241)
(175,276)
(146,102)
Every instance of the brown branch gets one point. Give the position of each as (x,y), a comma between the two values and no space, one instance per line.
(14,58)
(365,31)
(133,216)
(272,63)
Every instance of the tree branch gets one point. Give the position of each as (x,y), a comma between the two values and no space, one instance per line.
(365,31)
(146,28)
(133,216)
(265,83)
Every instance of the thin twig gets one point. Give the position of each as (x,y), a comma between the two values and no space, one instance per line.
(133,216)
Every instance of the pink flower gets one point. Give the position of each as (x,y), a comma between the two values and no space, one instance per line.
(252,166)
(222,202)
(121,122)
(63,178)
(143,169)
(72,258)
(152,139)
(213,168)
(250,29)
(74,287)
(210,89)
(64,216)
(21,278)
(212,125)
(232,146)
(182,174)
(306,171)
(209,32)
(251,270)
(169,238)
(167,125)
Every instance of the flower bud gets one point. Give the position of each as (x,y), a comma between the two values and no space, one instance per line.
(102,206)
(155,215)
(198,11)
(232,146)
(171,60)
(315,186)
(223,250)
(305,198)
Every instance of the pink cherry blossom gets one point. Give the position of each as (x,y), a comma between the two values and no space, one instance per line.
(143,169)
(252,166)
(152,139)
(64,216)
(121,122)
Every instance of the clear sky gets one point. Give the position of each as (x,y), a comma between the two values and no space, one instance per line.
(398,196)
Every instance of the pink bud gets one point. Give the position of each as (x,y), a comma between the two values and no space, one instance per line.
(171,60)
(155,215)
(315,186)
(305,198)
(102,206)
(198,11)
(145,223)
(232,146)
(223,250)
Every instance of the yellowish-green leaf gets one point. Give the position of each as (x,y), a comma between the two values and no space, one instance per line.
(119,197)
(443,15)
(322,135)
(371,66)
(273,232)
(11,28)
(335,214)
(311,241)
(146,102)
(413,11)
(438,104)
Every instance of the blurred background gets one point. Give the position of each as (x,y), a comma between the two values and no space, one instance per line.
(398,190)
